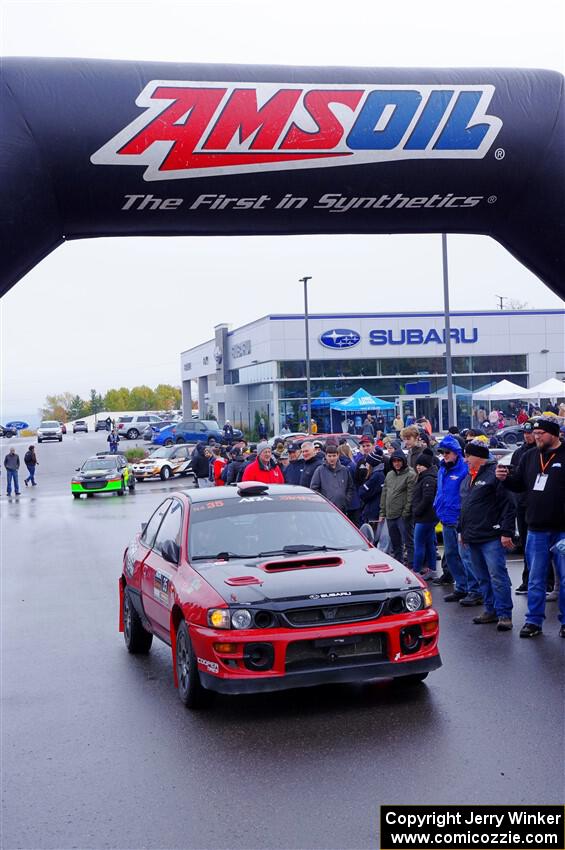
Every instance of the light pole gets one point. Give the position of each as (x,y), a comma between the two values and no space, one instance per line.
(305,280)
(451,416)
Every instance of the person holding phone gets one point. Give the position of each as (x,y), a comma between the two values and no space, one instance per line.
(541,476)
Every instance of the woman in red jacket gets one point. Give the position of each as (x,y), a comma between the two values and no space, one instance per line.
(261,469)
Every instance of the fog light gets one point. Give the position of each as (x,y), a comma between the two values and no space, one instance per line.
(410,639)
(259,656)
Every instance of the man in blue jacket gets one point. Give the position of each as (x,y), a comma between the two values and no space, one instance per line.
(447,505)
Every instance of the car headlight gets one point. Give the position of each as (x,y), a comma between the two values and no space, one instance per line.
(414,601)
(219,618)
(241,619)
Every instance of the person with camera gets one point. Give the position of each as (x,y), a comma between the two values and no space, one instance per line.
(541,476)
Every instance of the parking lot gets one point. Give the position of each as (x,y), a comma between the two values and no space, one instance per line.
(99,752)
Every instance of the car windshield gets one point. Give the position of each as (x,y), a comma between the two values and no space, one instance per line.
(79,422)
(103,463)
(268,525)
(48,424)
(163,452)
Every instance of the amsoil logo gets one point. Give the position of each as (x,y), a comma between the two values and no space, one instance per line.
(199,129)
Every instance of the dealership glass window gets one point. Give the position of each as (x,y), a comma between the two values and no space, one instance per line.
(501,363)
(413,366)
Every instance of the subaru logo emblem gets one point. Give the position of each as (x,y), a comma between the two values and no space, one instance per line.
(339,338)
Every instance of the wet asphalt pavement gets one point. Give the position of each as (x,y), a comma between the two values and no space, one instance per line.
(98,752)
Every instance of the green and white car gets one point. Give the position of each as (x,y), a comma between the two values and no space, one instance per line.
(103,473)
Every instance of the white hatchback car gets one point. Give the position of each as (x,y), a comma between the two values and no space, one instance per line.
(49,430)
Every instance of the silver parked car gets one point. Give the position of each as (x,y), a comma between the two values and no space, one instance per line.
(49,430)
(131,426)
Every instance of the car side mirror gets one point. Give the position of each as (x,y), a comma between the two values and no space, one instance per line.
(170,551)
(77,469)
(367,532)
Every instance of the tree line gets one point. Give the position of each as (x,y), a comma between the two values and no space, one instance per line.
(66,406)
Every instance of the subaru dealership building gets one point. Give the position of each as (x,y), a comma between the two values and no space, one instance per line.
(260,367)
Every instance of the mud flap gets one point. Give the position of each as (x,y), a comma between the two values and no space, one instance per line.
(174,652)
(121,595)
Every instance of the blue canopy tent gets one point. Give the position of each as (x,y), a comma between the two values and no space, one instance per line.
(362,400)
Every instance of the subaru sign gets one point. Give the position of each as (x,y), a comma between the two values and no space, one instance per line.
(339,338)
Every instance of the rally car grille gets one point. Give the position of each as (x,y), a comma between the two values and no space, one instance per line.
(351,649)
(94,485)
(329,614)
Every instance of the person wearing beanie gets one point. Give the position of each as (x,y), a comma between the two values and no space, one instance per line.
(396,505)
(520,502)
(333,480)
(487,524)
(541,476)
(261,468)
(424,515)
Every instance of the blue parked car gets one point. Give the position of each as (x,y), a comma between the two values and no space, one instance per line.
(193,431)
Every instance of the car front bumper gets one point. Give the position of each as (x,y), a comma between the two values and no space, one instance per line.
(96,487)
(304,657)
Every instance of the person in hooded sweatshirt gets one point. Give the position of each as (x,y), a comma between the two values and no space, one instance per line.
(424,516)
(396,502)
(371,491)
(200,462)
(447,505)
(234,469)
(333,480)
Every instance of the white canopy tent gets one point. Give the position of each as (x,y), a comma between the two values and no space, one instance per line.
(552,388)
(503,391)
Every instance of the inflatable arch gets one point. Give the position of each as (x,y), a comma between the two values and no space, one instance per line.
(104,148)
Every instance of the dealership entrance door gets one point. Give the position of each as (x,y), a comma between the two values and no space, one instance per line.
(427,406)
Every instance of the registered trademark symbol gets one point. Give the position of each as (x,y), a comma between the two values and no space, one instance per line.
(492,199)
(499,153)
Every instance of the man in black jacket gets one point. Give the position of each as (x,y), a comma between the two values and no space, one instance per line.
(520,498)
(424,516)
(541,475)
(486,524)
(333,480)
(293,472)
(311,462)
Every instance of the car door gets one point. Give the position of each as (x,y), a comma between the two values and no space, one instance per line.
(180,459)
(159,574)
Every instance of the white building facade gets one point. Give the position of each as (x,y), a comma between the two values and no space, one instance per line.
(259,369)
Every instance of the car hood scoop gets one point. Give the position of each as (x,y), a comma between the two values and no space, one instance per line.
(300,563)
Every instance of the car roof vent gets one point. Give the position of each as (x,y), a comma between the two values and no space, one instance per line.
(252,488)
(301,564)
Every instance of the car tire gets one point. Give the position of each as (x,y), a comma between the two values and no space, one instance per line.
(168,442)
(165,473)
(180,441)
(410,681)
(60,439)
(137,639)
(132,434)
(39,440)
(76,495)
(510,439)
(191,692)
(122,489)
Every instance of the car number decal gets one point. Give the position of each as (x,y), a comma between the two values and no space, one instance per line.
(161,587)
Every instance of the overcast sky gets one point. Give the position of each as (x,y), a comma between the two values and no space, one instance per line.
(61,323)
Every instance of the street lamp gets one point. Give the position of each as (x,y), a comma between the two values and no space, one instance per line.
(451,413)
(305,280)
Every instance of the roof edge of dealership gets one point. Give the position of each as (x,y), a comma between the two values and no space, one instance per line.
(258,369)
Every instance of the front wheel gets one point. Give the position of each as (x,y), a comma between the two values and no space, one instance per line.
(137,639)
(76,495)
(191,692)
(133,434)
(510,439)
(165,473)
(122,489)
(168,442)
(39,440)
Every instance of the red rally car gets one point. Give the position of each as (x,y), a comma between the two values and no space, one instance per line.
(263,587)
